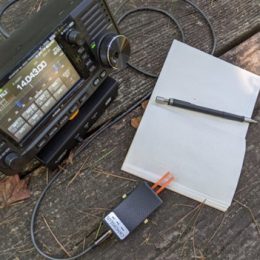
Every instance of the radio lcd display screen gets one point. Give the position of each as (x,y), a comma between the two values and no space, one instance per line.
(34,90)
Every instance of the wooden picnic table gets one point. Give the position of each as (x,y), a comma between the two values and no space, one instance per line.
(181,228)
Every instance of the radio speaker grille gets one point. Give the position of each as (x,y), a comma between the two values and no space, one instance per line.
(96,19)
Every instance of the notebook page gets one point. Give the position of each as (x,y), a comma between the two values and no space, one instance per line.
(205,153)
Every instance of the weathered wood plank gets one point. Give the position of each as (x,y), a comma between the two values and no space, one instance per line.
(151,35)
(74,211)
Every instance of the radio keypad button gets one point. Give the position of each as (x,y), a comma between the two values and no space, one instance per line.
(85,56)
(43,98)
(16,125)
(48,105)
(73,109)
(103,74)
(35,118)
(92,68)
(81,50)
(53,131)
(2,146)
(83,99)
(55,85)
(22,131)
(60,92)
(89,63)
(87,125)
(4,153)
(64,120)
(29,111)
(96,81)
(42,143)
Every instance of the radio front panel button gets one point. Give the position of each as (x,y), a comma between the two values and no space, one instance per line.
(16,125)
(85,56)
(96,82)
(89,63)
(42,143)
(43,98)
(92,68)
(81,50)
(29,112)
(48,105)
(4,153)
(55,85)
(64,120)
(2,146)
(66,74)
(53,131)
(103,74)
(74,109)
(23,131)
(35,118)
(60,92)
(83,98)
(87,125)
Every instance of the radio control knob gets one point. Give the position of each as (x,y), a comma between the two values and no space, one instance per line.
(11,160)
(114,51)
(74,37)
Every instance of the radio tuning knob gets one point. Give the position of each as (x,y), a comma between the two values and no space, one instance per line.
(74,37)
(114,51)
(11,160)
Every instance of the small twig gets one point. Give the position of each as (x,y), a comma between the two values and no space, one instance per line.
(98,230)
(215,232)
(194,224)
(7,221)
(146,241)
(39,6)
(113,175)
(251,213)
(194,230)
(102,158)
(56,239)
(78,172)
(247,186)
(86,213)
(101,209)
(47,176)
(84,243)
(81,169)
(201,256)
(182,218)
(26,250)
(193,243)
(15,247)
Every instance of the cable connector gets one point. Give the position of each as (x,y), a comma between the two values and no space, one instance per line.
(136,207)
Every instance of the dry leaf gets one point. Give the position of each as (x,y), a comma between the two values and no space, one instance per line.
(135,122)
(145,104)
(70,159)
(13,189)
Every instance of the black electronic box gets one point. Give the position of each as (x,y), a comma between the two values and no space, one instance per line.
(54,80)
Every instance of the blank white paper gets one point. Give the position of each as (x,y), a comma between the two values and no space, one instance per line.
(205,153)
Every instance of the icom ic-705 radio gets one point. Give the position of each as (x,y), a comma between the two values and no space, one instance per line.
(54,80)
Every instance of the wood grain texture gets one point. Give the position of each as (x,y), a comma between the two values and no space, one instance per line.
(74,211)
(178,230)
(151,36)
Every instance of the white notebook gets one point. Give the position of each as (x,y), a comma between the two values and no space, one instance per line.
(205,153)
